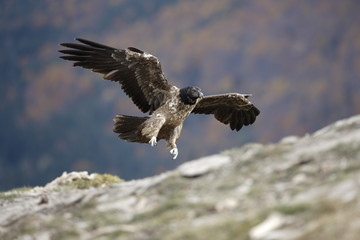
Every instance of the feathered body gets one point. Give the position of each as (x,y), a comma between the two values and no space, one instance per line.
(141,78)
(165,122)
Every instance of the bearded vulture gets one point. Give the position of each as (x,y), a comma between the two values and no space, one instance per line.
(141,78)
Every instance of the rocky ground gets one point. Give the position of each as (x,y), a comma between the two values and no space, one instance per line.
(300,188)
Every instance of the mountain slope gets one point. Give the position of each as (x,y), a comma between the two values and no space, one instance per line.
(299,188)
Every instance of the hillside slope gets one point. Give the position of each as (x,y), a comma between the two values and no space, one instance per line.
(299,188)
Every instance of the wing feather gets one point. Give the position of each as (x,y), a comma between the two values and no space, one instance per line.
(139,73)
(230,108)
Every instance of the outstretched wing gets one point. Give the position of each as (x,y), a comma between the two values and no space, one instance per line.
(229,108)
(138,72)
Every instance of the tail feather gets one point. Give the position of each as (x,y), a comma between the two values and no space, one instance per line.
(129,128)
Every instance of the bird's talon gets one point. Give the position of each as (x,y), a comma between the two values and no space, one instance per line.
(174,152)
(152,141)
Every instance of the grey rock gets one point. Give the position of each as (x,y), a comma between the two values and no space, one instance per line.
(203,165)
(265,229)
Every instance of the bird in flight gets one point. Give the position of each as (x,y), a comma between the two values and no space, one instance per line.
(141,78)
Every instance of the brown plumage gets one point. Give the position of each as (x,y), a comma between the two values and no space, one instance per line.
(141,78)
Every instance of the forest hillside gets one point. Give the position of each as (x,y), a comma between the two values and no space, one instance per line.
(300,60)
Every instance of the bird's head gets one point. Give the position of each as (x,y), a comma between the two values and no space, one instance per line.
(189,95)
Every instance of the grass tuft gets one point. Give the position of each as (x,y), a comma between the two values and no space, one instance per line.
(98,181)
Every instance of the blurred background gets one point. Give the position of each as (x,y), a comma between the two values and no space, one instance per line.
(300,60)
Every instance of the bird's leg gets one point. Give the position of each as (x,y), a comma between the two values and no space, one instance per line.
(152,141)
(174,151)
(173,139)
(152,127)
